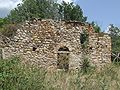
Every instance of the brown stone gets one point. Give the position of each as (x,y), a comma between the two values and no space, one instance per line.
(48,36)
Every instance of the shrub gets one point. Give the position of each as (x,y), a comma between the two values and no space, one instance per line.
(15,76)
(9,30)
(86,67)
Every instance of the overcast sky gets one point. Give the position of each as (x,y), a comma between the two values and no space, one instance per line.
(103,12)
(7,5)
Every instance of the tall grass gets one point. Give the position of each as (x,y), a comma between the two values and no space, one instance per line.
(15,76)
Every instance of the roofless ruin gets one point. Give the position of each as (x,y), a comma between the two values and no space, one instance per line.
(61,44)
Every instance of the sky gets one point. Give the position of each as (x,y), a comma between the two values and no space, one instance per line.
(7,5)
(103,12)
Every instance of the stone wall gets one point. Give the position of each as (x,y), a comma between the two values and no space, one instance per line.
(38,42)
(99,49)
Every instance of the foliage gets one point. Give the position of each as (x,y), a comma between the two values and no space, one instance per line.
(96,27)
(30,9)
(85,67)
(115,37)
(8,30)
(16,76)
(84,40)
(46,9)
(107,79)
(83,37)
(69,11)
(3,21)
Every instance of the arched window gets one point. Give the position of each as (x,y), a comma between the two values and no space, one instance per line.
(63,49)
(63,58)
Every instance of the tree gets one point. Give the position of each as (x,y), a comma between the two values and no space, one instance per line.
(33,9)
(115,37)
(96,27)
(3,21)
(47,9)
(69,11)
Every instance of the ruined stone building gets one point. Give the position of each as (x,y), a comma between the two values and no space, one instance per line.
(57,43)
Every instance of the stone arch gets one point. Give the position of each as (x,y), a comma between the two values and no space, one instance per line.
(63,44)
(63,58)
(64,48)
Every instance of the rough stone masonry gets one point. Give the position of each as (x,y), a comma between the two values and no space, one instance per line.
(46,43)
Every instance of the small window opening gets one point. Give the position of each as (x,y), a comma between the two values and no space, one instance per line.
(34,48)
(97,43)
(105,45)
(90,48)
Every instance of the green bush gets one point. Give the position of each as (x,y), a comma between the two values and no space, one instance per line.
(86,67)
(8,30)
(16,76)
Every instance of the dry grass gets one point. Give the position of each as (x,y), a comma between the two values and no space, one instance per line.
(14,76)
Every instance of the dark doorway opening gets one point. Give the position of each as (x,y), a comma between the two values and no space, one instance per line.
(63,58)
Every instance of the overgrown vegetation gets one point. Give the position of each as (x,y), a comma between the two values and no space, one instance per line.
(96,27)
(84,40)
(16,76)
(86,67)
(115,39)
(9,30)
(46,9)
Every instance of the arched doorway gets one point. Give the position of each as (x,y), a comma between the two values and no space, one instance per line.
(63,58)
